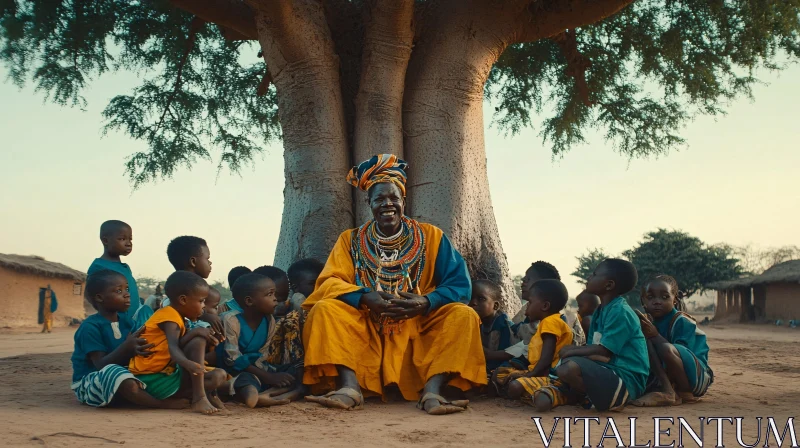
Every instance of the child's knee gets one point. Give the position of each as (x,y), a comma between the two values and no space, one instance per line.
(568,370)
(515,389)
(129,387)
(542,402)
(218,377)
(668,352)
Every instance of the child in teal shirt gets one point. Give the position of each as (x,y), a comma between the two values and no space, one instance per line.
(678,349)
(612,368)
(117,239)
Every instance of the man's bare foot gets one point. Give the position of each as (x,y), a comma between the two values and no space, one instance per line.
(344,398)
(216,402)
(203,406)
(175,403)
(435,404)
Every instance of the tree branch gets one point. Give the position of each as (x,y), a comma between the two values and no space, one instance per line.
(194,27)
(549,18)
(577,63)
(234,18)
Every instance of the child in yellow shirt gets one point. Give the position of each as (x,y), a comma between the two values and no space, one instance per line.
(176,365)
(536,386)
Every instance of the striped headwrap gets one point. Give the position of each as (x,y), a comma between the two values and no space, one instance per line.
(379,169)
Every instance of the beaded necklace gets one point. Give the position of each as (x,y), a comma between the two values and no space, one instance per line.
(392,264)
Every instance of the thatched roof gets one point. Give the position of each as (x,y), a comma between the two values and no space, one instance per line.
(32,264)
(786,272)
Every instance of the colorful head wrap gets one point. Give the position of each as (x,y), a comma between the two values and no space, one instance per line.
(379,169)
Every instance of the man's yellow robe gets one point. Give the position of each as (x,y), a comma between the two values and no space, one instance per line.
(445,340)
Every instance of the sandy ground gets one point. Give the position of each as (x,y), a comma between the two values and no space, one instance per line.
(757,374)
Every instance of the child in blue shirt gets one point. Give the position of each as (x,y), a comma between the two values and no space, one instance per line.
(677,347)
(104,343)
(117,239)
(612,368)
(496,334)
(249,330)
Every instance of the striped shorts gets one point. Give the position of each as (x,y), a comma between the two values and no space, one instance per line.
(98,388)
(542,385)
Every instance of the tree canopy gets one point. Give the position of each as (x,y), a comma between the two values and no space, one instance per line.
(692,262)
(637,76)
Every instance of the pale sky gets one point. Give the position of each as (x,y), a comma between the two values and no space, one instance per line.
(737,182)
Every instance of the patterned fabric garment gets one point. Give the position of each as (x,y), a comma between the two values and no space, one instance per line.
(379,169)
(546,385)
(286,345)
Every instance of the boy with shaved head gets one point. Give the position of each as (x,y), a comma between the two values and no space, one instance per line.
(117,239)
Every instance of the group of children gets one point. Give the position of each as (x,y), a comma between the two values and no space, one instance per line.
(187,349)
(626,357)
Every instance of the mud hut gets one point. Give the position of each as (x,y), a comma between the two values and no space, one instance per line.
(773,295)
(20,279)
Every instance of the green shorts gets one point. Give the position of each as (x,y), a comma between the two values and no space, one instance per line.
(162,385)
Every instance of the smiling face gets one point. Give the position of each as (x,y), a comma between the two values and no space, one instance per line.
(658,299)
(115,296)
(119,242)
(388,206)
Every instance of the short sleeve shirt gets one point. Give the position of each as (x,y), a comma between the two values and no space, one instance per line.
(99,264)
(160,360)
(556,326)
(616,327)
(97,334)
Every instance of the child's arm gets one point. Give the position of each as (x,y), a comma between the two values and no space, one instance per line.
(133,346)
(497,355)
(542,367)
(173,333)
(587,351)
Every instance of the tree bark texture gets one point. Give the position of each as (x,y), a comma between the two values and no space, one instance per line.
(419,95)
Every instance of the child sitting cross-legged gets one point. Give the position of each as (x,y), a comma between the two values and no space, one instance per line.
(261,379)
(535,386)
(104,345)
(613,367)
(176,365)
(677,348)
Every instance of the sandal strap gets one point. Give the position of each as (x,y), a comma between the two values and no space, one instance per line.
(348,392)
(431,396)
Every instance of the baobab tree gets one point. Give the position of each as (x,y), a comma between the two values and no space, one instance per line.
(340,80)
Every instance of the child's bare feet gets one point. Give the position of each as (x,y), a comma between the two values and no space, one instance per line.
(271,398)
(203,406)
(216,402)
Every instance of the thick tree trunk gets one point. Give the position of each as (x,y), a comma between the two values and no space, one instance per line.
(432,115)
(379,104)
(444,143)
(305,70)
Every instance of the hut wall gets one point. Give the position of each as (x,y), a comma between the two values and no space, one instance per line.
(760,302)
(783,301)
(19,299)
(722,305)
(747,313)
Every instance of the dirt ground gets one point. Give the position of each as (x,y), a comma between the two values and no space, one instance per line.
(757,371)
